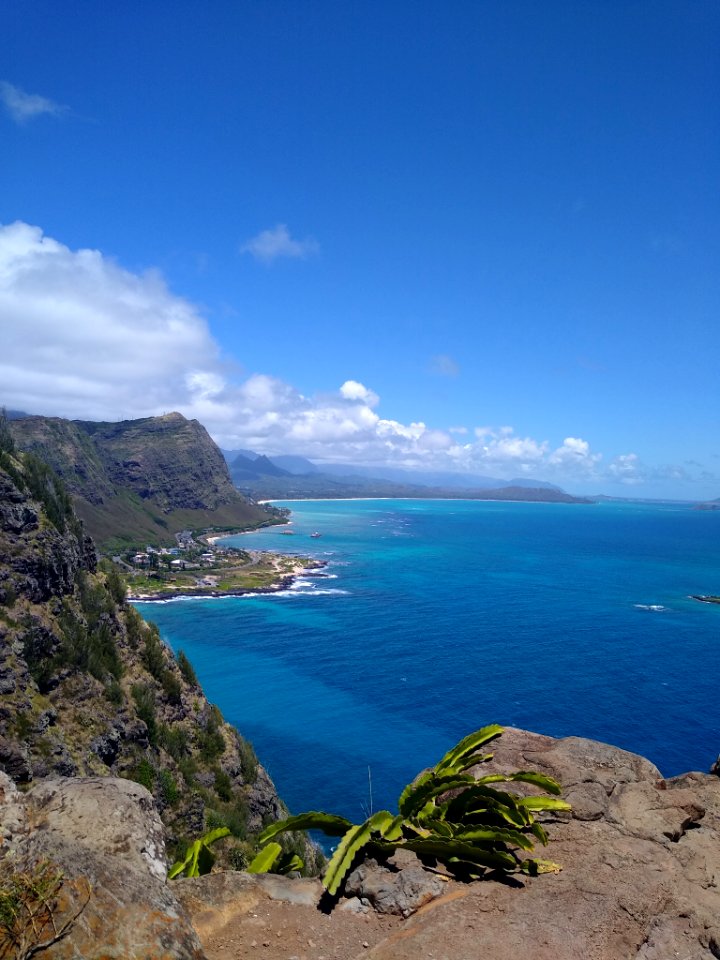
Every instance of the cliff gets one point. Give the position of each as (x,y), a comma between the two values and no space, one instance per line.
(139,480)
(89,689)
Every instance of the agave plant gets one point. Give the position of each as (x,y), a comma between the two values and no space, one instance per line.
(199,857)
(446,814)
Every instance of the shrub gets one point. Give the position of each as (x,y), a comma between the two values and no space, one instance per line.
(134,625)
(445,814)
(45,486)
(186,669)
(32,914)
(248,760)
(8,595)
(172,687)
(7,444)
(210,743)
(144,774)
(153,655)
(223,784)
(145,709)
(174,740)
(113,691)
(116,586)
(188,769)
(168,788)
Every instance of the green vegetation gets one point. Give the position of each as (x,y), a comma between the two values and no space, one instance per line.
(210,741)
(199,859)
(248,760)
(44,485)
(145,706)
(168,788)
(236,573)
(445,815)
(7,444)
(186,669)
(31,917)
(144,774)
(87,637)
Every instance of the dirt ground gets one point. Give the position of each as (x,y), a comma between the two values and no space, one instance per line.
(286,931)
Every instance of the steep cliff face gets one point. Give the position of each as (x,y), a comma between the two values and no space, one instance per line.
(139,479)
(88,688)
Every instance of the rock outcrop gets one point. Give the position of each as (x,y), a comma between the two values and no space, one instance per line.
(640,880)
(103,840)
(88,689)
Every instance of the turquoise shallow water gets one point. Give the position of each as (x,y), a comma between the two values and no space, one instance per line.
(436,617)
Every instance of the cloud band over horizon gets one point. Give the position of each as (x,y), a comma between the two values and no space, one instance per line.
(85,338)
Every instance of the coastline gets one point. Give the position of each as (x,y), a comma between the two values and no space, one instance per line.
(209,593)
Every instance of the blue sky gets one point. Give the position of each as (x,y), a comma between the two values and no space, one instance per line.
(470,236)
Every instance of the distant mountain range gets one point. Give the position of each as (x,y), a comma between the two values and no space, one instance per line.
(139,481)
(293,477)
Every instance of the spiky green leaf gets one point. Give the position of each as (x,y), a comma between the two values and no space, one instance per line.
(182,865)
(265,859)
(290,863)
(447,849)
(537,830)
(523,776)
(543,803)
(482,836)
(412,801)
(534,867)
(353,841)
(473,760)
(466,747)
(479,798)
(330,824)
(217,834)
(391,830)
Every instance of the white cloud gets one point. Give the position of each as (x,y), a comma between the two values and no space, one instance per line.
(270,245)
(352,390)
(627,469)
(24,106)
(83,337)
(574,452)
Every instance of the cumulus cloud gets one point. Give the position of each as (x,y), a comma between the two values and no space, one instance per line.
(352,390)
(270,245)
(83,337)
(24,106)
(627,469)
(574,452)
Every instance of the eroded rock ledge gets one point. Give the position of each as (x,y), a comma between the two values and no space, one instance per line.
(640,879)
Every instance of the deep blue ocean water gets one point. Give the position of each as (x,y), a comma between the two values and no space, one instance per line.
(440,616)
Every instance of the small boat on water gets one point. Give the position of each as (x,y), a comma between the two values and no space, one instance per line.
(315,535)
(288,533)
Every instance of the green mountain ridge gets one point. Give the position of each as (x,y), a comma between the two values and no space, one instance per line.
(140,481)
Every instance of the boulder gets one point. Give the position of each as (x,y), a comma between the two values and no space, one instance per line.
(399,886)
(640,875)
(104,839)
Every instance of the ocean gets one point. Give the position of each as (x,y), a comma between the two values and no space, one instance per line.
(433,618)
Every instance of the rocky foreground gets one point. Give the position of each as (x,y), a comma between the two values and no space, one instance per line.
(640,857)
